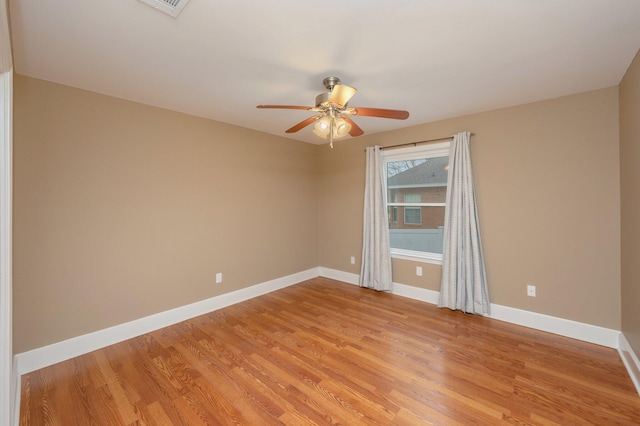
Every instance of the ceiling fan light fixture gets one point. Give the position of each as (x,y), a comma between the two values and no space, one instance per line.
(341,128)
(322,127)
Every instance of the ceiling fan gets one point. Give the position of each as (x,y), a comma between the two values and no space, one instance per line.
(333,119)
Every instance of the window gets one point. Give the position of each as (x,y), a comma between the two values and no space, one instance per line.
(412,215)
(416,180)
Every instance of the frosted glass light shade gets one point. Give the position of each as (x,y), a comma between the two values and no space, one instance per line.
(341,128)
(322,127)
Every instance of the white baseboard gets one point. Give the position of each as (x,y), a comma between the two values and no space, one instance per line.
(334,274)
(61,351)
(416,293)
(563,327)
(630,360)
(42,357)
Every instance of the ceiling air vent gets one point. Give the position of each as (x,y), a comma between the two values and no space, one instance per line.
(170,7)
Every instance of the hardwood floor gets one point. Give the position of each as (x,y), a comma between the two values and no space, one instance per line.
(324,352)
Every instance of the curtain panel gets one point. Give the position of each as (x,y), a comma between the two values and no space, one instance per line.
(375,272)
(464,281)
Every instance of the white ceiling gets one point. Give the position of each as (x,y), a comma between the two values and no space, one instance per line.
(435,58)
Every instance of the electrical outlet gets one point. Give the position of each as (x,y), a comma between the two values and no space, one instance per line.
(218,277)
(419,271)
(531,290)
(353,260)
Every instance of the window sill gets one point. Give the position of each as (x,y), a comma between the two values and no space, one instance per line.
(413,256)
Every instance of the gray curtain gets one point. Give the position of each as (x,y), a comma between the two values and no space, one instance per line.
(464,281)
(376,253)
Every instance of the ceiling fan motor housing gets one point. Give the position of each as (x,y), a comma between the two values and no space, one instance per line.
(322,100)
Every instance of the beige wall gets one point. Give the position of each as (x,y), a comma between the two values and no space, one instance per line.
(630,201)
(123,210)
(547,182)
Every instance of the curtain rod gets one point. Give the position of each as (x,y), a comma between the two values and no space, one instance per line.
(416,143)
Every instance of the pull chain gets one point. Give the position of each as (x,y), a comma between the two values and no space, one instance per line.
(331,133)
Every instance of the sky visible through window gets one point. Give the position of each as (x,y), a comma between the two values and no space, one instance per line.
(395,167)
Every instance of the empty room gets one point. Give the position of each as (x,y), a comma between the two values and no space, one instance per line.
(362,212)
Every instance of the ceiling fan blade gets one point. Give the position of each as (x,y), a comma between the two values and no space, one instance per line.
(341,94)
(285,107)
(355,129)
(383,113)
(303,124)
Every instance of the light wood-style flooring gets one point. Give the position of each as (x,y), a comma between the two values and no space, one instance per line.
(324,352)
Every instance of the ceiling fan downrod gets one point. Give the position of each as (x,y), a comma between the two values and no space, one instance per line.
(330,82)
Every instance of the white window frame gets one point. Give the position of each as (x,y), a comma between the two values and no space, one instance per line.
(415,153)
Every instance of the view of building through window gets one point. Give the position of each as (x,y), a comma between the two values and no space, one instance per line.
(416,197)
